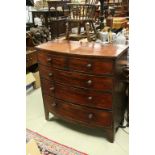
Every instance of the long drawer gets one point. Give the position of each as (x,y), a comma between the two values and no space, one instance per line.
(46,72)
(86,65)
(48,101)
(47,87)
(83,80)
(75,113)
(84,96)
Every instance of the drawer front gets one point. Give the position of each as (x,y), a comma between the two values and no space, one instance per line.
(82,114)
(92,66)
(82,65)
(44,59)
(103,67)
(47,87)
(46,72)
(48,102)
(83,80)
(84,97)
(59,62)
(51,60)
(31,59)
(95,66)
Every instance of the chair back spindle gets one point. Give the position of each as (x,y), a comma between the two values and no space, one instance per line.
(82,14)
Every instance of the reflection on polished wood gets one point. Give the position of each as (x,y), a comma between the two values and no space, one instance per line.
(83,48)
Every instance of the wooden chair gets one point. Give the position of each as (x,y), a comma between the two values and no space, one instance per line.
(81,15)
(57,17)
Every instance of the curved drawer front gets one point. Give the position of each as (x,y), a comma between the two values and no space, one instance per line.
(51,60)
(44,59)
(83,80)
(84,97)
(47,87)
(86,65)
(103,67)
(46,72)
(59,62)
(80,114)
(98,66)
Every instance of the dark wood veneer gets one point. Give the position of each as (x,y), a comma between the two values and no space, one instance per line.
(44,59)
(46,72)
(85,97)
(88,116)
(81,84)
(47,87)
(83,80)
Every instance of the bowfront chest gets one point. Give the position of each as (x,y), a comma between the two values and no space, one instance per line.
(80,83)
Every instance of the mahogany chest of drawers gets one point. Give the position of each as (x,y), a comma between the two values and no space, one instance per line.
(80,83)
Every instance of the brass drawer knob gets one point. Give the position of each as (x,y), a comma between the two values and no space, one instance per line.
(90,116)
(53,104)
(50,74)
(89,82)
(89,65)
(52,88)
(90,98)
(49,59)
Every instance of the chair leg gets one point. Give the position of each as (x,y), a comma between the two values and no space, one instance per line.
(79,28)
(87,26)
(67,31)
(94,28)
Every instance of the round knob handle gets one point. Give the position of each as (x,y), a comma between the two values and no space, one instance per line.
(89,65)
(52,88)
(49,59)
(89,82)
(90,116)
(30,58)
(90,98)
(53,104)
(50,74)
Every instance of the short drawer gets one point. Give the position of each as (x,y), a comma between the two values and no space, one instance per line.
(75,113)
(83,80)
(51,60)
(86,65)
(85,97)
(93,66)
(47,87)
(44,59)
(46,72)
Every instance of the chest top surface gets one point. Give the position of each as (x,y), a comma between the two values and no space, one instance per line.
(83,48)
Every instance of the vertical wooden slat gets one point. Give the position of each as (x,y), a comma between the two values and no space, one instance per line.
(83,12)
